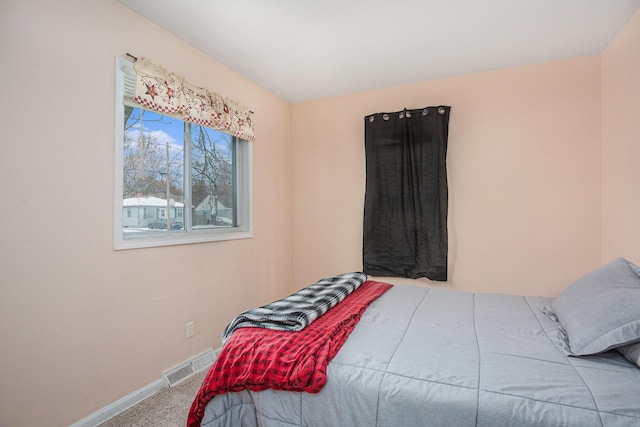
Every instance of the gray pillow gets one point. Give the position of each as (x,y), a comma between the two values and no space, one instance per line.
(631,352)
(601,310)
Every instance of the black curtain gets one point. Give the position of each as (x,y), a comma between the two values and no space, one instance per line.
(406,200)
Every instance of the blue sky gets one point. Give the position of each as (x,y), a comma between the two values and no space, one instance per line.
(165,129)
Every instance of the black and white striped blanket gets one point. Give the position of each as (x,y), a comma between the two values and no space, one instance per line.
(298,310)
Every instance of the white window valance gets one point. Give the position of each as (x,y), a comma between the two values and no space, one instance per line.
(165,92)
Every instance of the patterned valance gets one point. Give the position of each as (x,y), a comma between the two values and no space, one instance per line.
(168,93)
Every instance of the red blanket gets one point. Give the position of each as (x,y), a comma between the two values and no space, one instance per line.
(257,359)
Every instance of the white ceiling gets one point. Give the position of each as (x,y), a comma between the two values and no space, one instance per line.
(304,49)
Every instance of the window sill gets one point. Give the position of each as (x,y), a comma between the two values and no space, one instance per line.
(178,238)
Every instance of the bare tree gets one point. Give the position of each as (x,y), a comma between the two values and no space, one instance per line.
(146,166)
(150,171)
(212,169)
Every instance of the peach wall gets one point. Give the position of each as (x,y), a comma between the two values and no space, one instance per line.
(82,325)
(524,177)
(621,144)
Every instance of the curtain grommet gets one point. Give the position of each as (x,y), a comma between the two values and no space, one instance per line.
(371,118)
(425,111)
(385,117)
(441,110)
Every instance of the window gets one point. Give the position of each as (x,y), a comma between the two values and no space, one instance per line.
(176,182)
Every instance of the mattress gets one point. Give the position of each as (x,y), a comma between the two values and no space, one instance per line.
(436,357)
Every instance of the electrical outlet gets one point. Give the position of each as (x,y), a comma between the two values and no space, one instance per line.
(190,329)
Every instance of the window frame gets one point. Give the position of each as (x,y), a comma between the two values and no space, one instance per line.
(243,170)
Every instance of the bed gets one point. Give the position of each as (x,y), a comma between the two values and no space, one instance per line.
(435,357)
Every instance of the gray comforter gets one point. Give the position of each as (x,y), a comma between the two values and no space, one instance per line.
(433,357)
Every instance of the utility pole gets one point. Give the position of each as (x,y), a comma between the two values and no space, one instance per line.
(168,191)
(141,144)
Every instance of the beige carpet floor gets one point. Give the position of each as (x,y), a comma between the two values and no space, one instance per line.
(167,408)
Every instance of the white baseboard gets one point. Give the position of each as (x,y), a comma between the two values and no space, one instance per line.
(120,405)
(170,378)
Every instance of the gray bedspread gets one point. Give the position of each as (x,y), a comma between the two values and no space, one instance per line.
(433,357)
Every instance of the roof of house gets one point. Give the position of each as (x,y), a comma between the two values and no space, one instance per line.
(150,202)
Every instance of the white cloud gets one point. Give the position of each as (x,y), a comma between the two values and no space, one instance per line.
(158,137)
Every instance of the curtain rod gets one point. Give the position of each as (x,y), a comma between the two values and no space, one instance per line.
(135,59)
